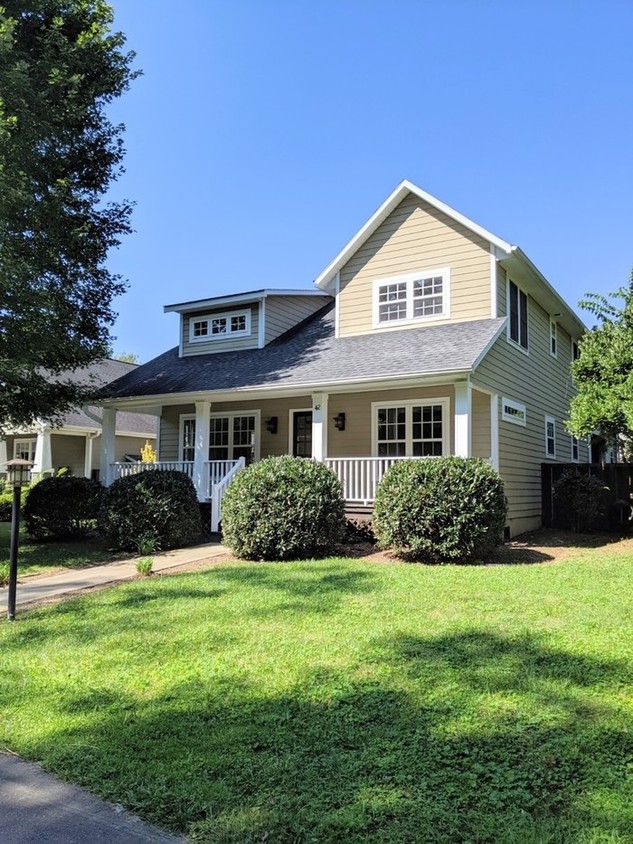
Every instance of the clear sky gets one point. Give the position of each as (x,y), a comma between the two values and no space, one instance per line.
(263,134)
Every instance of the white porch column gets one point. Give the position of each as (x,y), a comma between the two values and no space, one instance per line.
(88,455)
(201,446)
(319,425)
(3,456)
(108,444)
(494,431)
(43,459)
(463,419)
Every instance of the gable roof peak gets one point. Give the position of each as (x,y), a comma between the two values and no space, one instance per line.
(403,189)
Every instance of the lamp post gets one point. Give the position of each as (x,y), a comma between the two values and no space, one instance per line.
(18,474)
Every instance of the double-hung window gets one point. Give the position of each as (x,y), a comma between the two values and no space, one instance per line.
(550,436)
(553,338)
(575,453)
(231,436)
(518,311)
(411,429)
(24,449)
(417,296)
(219,326)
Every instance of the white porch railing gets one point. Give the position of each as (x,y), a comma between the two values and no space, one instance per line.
(124,470)
(361,475)
(219,488)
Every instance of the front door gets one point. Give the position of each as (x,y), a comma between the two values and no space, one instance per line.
(302,433)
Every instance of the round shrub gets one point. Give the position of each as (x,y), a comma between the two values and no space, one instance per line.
(441,510)
(161,505)
(62,507)
(6,503)
(582,499)
(283,508)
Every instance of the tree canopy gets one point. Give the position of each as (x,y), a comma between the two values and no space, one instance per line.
(603,373)
(60,68)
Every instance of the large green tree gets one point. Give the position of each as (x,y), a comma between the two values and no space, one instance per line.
(603,373)
(61,65)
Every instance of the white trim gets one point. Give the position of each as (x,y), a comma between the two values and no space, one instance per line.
(520,418)
(201,448)
(32,446)
(393,200)
(223,414)
(493,283)
(108,444)
(408,404)
(494,430)
(181,435)
(225,315)
(237,299)
(261,328)
(572,438)
(516,344)
(553,335)
(548,420)
(291,425)
(409,279)
(319,425)
(463,419)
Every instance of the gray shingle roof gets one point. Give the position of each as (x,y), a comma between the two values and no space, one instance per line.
(310,354)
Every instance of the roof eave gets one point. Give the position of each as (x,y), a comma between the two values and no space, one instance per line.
(237,299)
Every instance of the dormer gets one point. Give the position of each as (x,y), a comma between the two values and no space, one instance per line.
(242,320)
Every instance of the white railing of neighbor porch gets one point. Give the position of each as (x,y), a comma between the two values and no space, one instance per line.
(124,470)
(219,488)
(361,475)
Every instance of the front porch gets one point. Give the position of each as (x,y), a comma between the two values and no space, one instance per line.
(357,434)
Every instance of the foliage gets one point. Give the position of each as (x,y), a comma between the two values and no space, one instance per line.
(48,557)
(448,509)
(144,566)
(160,505)
(583,498)
(4,574)
(283,508)
(603,373)
(359,530)
(6,503)
(62,507)
(148,453)
(128,357)
(60,68)
(342,701)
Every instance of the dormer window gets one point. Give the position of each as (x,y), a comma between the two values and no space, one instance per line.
(218,326)
(418,296)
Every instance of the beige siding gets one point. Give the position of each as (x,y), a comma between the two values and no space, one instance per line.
(284,312)
(415,237)
(225,344)
(68,451)
(170,430)
(543,384)
(127,445)
(480,424)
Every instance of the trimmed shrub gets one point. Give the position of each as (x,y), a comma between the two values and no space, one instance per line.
(159,505)
(283,508)
(583,500)
(62,507)
(6,503)
(444,510)
(359,530)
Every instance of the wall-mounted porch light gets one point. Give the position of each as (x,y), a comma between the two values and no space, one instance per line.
(339,421)
(18,475)
(271,425)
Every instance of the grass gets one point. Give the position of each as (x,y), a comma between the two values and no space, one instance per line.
(48,557)
(341,701)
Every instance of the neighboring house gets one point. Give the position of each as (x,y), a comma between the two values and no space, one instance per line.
(75,444)
(426,335)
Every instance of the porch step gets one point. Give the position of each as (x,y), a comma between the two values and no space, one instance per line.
(354,510)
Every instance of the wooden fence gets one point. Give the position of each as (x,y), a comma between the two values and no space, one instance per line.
(616,477)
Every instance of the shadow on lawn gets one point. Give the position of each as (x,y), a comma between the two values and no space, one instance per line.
(471,737)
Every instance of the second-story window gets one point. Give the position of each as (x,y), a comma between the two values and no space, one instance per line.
(517,308)
(553,338)
(217,326)
(417,296)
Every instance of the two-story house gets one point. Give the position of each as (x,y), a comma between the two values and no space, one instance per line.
(426,335)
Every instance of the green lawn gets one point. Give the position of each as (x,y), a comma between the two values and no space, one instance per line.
(48,557)
(342,701)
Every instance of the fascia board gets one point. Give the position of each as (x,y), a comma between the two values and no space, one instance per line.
(237,299)
(393,200)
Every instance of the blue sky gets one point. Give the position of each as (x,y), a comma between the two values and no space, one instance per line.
(263,134)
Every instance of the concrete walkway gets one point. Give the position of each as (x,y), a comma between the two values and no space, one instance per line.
(50,587)
(36,808)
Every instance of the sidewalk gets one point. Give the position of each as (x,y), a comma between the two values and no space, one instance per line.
(35,807)
(49,587)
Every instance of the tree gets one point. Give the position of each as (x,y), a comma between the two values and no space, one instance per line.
(603,373)
(60,67)
(128,357)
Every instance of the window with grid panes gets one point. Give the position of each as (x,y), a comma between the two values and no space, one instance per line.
(412,430)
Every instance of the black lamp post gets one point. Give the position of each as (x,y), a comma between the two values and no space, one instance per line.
(18,475)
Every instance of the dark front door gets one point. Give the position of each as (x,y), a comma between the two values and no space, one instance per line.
(302,433)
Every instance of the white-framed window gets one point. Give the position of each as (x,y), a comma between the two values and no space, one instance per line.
(513,411)
(575,452)
(24,449)
(518,313)
(412,298)
(411,428)
(553,338)
(575,354)
(231,435)
(550,436)
(219,326)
